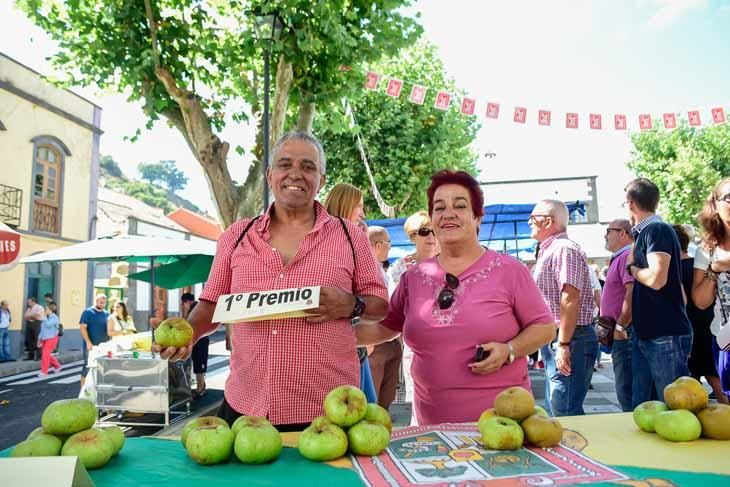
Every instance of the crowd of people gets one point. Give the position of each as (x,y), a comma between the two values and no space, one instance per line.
(470,315)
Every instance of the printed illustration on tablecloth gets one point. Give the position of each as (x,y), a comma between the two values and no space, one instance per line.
(453,455)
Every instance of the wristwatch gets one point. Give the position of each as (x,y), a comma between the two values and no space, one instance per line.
(511,357)
(564,344)
(358,310)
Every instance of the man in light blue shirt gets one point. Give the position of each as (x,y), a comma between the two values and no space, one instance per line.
(5,319)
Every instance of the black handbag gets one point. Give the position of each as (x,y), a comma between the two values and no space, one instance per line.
(60,330)
(605,326)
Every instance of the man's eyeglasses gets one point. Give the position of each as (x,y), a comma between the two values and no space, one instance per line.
(533,218)
(383,242)
(446,296)
(424,232)
(725,198)
(609,230)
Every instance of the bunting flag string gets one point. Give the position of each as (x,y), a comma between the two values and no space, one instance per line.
(445,100)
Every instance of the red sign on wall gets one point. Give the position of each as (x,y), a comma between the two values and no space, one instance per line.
(9,247)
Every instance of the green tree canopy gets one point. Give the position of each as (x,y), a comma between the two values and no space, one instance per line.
(164,173)
(110,166)
(143,191)
(685,164)
(197,64)
(405,142)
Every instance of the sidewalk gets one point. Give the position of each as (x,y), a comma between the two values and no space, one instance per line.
(21,366)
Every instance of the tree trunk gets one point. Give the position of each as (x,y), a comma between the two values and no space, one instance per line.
(306,115)
(284,75)
(209,150)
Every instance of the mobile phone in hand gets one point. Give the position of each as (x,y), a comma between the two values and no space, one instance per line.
(481,354)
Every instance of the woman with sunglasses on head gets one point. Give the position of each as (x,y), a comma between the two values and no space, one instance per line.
(464,301)
(346,201)
(711,283)
(420,231)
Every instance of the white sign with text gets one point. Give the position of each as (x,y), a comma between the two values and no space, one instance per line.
(266,305)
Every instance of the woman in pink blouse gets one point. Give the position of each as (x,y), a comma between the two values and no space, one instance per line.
(465,297)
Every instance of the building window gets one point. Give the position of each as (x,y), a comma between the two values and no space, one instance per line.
(47,183)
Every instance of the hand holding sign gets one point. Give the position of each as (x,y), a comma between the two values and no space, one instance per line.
(334,304)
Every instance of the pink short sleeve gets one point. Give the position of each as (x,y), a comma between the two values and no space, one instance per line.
(396,311)
(530,306)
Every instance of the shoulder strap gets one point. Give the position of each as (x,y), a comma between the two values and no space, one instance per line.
(245,231)
(352,247)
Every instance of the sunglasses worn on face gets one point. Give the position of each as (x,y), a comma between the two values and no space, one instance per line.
(424,232)
(446,296)
(725,198)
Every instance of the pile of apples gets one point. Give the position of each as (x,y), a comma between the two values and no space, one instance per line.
(515,420)
(685,414)
(209,440)
(346,407)
(67,430)
(254,440)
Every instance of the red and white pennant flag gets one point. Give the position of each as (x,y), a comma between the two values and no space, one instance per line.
(418,94)
(394,87)
(371,80)
(670,121)
(619,122)
(596,121)
(443,100)
(468,105)
(718,115)
(645,121)
(571,120)
(492,110)
(520,114)
(543,117)
(694,118)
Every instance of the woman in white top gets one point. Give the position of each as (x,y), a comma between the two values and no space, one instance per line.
(120,322)
(711,283)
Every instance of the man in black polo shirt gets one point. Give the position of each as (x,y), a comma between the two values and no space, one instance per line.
(663,334)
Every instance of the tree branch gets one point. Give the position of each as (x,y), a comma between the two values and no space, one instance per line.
(153,30)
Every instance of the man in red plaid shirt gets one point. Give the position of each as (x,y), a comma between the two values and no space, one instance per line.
(562,274)
(283,368)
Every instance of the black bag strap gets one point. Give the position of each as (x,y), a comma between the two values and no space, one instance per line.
(245,231)
(352,247)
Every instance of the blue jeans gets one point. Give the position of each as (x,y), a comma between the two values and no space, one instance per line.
(657,362)
(564,394)
(5,344)
(366,382)
(621,358)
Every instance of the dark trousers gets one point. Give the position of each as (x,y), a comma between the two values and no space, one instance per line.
(32,330)
(385,364)
(230,415)
(200,355)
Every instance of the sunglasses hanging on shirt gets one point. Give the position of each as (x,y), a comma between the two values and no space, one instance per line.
(446,296)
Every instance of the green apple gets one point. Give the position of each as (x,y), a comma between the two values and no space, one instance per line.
(174,332)
(39,431)
(243,421)
(715,420)
(93,447)
(646,412)
(542,431)
(257,442)
(345,405)
(68,416)
(208,445)
(116,435)
(487,414)
(501,433)
(539,410)
(322,441)
(686,393)
(368,438)
(41,445)
(515,403)
(678,425)
(198,422)
(378,414)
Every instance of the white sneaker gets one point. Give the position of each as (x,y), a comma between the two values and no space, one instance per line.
(54,370)
(42,375)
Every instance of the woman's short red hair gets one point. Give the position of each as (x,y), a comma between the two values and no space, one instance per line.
(461,178)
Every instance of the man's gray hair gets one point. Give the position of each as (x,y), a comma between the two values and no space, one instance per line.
(558,211)
(624,225)
(375,232)
(305,137)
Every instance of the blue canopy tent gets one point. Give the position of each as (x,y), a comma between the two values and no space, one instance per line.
(503,228)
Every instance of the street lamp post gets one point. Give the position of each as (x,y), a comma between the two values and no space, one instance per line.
(268,28)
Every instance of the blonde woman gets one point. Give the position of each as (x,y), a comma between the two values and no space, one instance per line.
(120,322)
(419,229)
(346,201)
